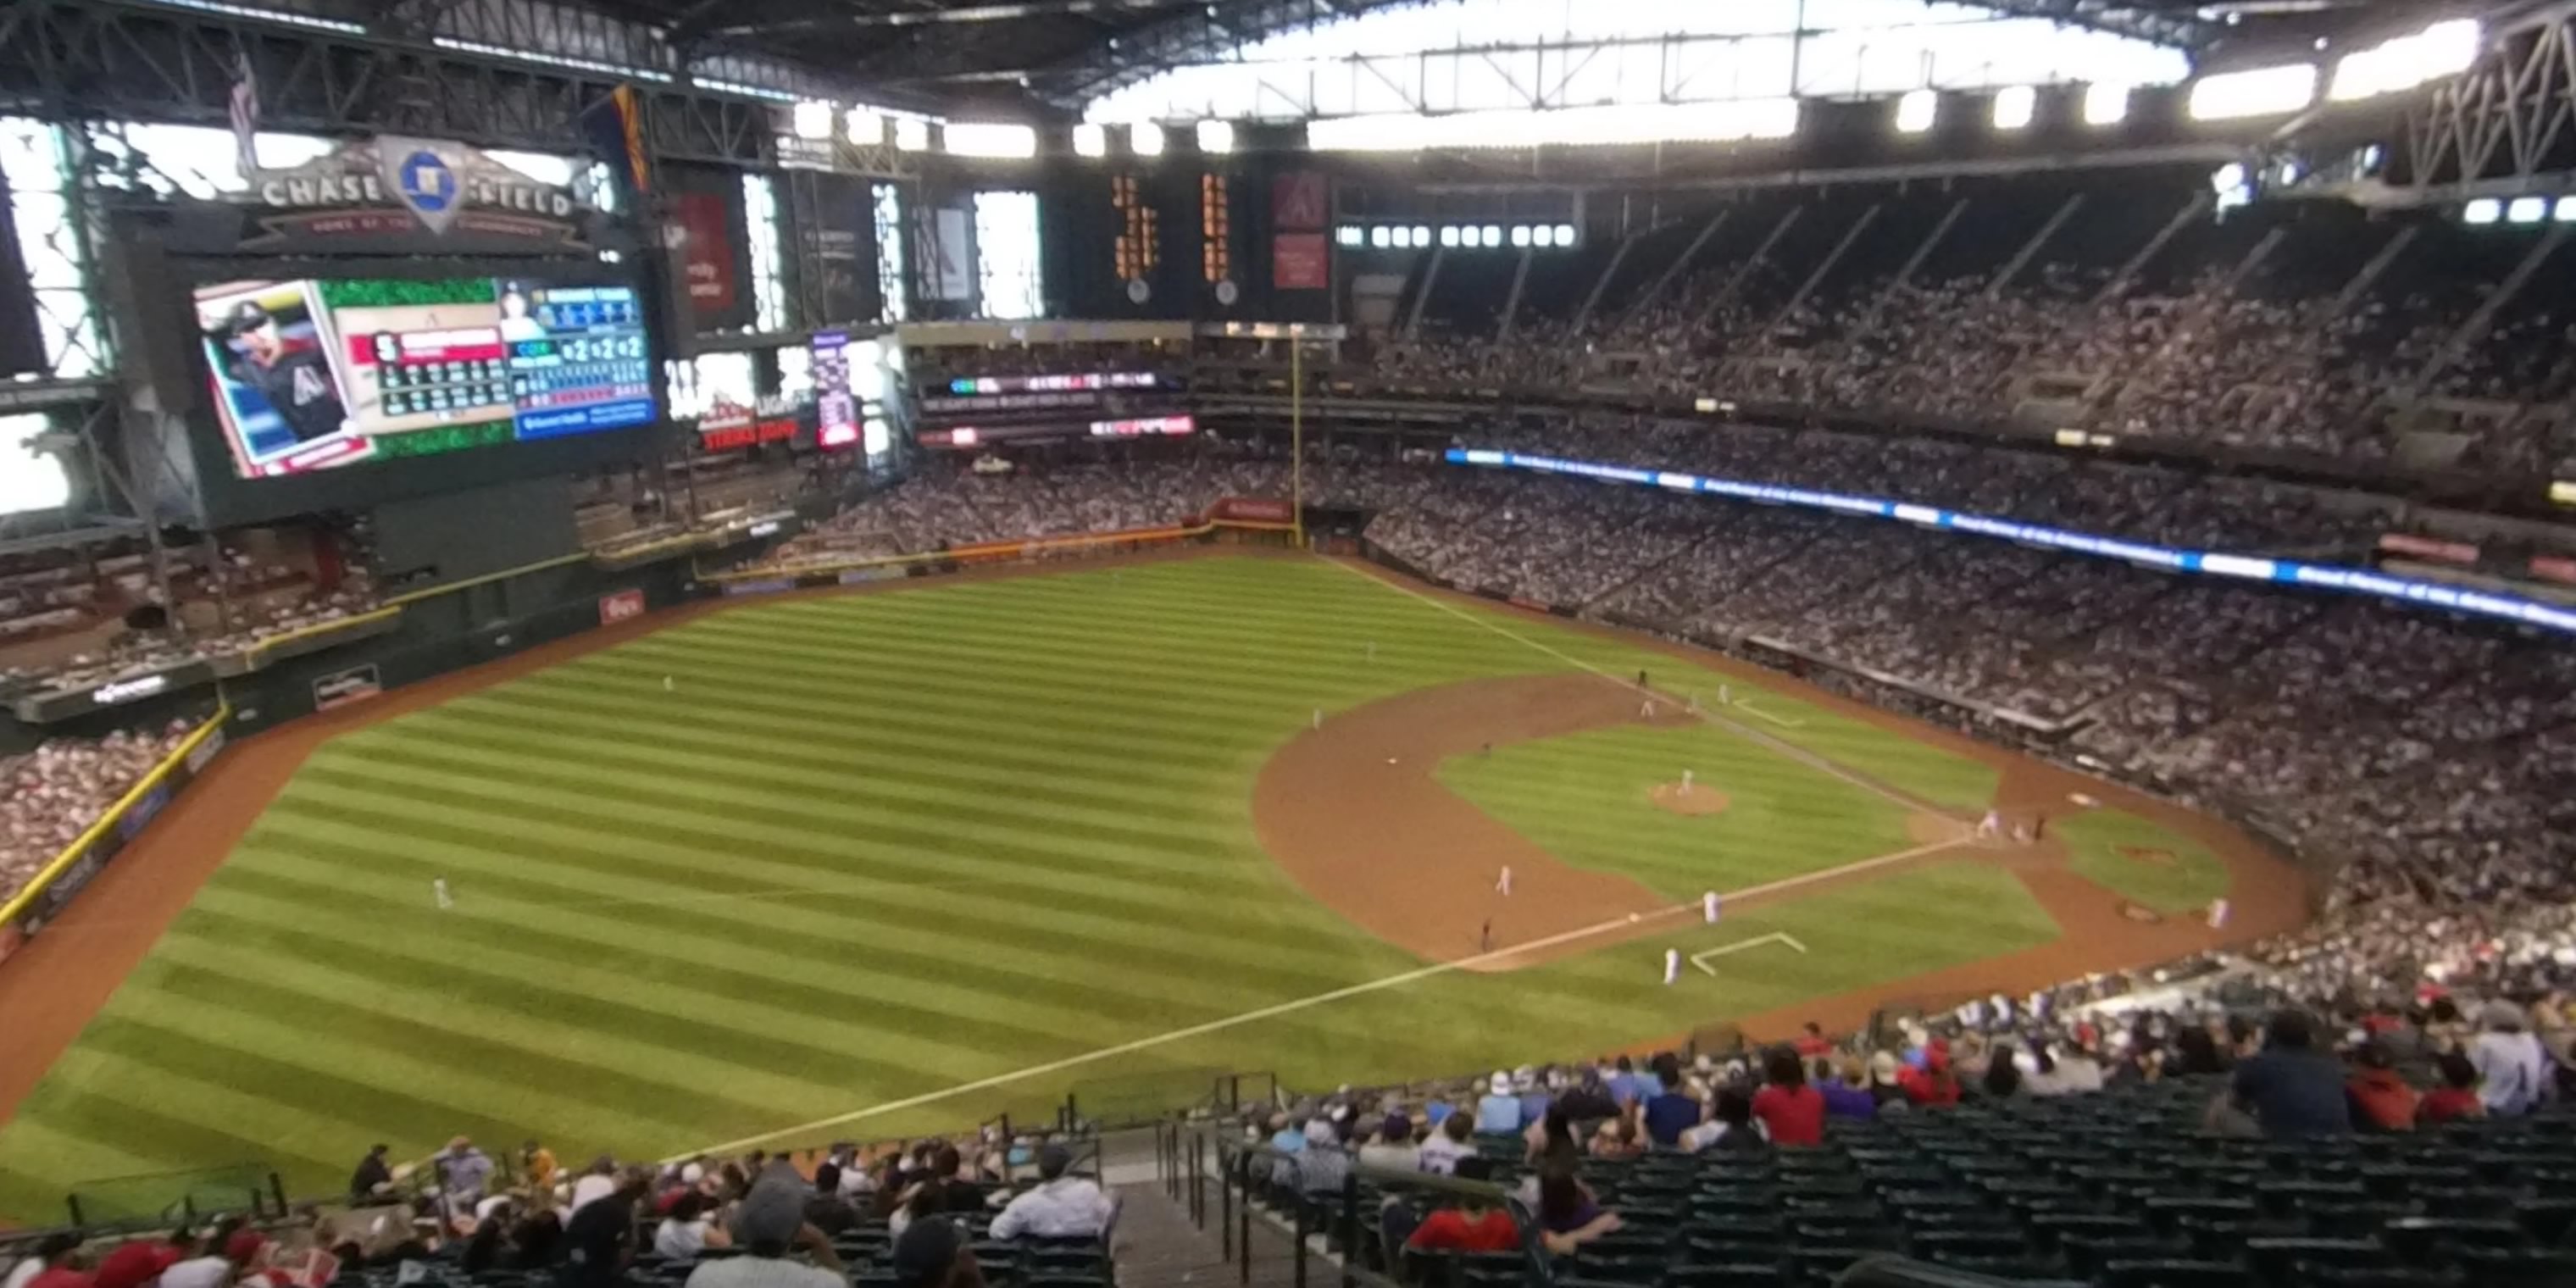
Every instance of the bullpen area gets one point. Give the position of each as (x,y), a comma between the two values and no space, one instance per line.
(901,859)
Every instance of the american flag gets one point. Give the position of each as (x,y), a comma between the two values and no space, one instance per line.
(245,114)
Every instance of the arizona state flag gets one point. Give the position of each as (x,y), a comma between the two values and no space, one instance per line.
(614,127)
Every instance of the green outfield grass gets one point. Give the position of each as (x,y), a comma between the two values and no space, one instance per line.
(869,849)
(2142,860)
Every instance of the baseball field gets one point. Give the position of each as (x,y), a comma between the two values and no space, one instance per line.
(867,864)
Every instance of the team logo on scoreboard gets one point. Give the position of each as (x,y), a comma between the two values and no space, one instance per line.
(424,184)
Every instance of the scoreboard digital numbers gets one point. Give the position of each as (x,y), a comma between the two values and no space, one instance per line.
(319,374)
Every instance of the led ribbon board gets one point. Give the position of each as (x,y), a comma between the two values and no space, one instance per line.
(2350,580)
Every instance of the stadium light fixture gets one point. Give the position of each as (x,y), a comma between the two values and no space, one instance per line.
(2395,66)
(2481,212)
(1421,236)
(1349,235)
(1448,236)
(1565,235)
(864,126)
(1379,237)
(2106,103)
(1917,111)
(2015,106)
(997,139)
(812,119)
(1520,236)
(2526,210)
(1091,139)
(1493,234)
(1216,137)
(1145,139)
(1542,235)
(2564,211)
(2260,91)
(912,134)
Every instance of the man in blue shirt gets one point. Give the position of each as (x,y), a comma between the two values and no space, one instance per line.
(1498,1112)
(2291,1088)
(1673,1111)
(1625,1086)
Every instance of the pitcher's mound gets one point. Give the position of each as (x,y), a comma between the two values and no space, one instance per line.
(1692,801)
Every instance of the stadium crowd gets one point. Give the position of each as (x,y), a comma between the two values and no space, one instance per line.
(54,793)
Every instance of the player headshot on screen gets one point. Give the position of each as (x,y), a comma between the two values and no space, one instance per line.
(293,375)
(516,325)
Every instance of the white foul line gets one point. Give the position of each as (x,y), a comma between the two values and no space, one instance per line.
(1283,1008)
(1777,747)
(1759,713)
(1701,959)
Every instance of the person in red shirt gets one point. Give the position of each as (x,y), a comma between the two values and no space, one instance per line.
(1793,1111)
(137,1262)
(2457,1097)
(2380,1099)
(1932,1086)
(60,1254)
(1471,1225)
(1813,1042)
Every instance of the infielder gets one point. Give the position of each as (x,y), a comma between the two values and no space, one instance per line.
(1708,907)
(1672,966)
(2218,914)
(1503,883)
(1991,825)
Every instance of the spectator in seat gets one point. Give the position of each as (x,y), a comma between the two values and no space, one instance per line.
(2291,1088)
(218,1266)
(1393,1148)
(537,1163)
(600,1239)
(767,1233)
(1618,1138)
(1447,1147)
(1323,1166)
(1812,1042)
(1671,1111)
(930,1253)
(2513,1070)
(1468,1222)
(1061,1206)
(1932,1086)
(2003,1080)
(1731,1125)
(137,1262)
(1568,1215)
(689,1229)
(56,1264)
(1498,1111)
(1589,1099)
(949,1192)
(1552,1136)
(1792,1112)
(372,1178)
(2457,1097)
(1626,1086)
(1845,1088)
(2381,1101)
(463,1171)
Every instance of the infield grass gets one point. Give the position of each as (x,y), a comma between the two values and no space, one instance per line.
(2142,860)
(867,849)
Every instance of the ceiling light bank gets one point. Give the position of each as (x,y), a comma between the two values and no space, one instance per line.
(2395,66)
(2355,581)
(1744,119)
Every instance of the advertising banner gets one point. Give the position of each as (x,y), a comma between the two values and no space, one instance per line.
(1252,509)
(2554,568)
(620,606)
(1298,202)
(702,225)
(1300,262)
(2451,552)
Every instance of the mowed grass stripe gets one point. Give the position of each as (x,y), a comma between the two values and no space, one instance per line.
(1076,909)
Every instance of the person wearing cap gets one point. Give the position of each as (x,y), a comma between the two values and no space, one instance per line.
(767,1232)
(463,1171)
(1062,1206)
(293,377)
(1498,1111)
(219,1264)
(2513,1070)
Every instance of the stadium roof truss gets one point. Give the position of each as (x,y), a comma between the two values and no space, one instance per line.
(2507,125)
(1288,60)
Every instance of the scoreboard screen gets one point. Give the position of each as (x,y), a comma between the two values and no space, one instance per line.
(317,374)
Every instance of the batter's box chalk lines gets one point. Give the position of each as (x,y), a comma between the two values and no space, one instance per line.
(1701,959)
(1625,922)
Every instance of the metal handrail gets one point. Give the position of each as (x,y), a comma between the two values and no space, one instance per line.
(1235,1158)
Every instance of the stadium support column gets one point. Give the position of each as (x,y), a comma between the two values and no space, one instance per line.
(1512,302)
(1744,271)
(1430,282)
(1297,436)
(2191,210)
(2030,249)
(1672,270)
(1608,271)
(2371,272)
(1806,288)
(2474,326)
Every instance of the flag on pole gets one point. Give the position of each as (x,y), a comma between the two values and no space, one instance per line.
(245,115)
(614,128)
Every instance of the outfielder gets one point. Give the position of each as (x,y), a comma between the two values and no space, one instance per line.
(1672,966)
(438,891)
